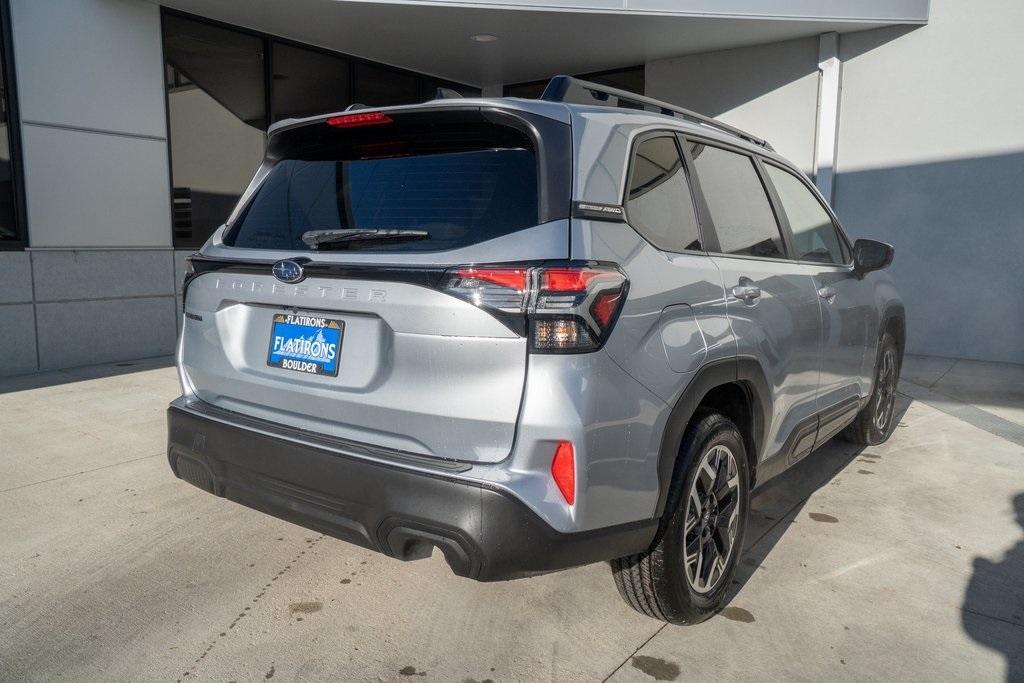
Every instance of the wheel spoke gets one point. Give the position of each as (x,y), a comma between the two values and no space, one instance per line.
(709,554)
(711,518)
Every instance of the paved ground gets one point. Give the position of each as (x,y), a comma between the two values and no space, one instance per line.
(904,561)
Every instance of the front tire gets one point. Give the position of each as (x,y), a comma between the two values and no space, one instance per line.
(685,574)
(876,421)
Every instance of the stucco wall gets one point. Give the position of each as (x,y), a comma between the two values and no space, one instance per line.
(769,90)
(930,155)
(931,158)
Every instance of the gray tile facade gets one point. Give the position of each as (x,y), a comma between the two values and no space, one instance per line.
(66,308)
(15,277)
(95,274)
(17,339)
(86,332)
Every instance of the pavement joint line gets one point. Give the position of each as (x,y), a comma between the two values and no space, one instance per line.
(75,474)
(750,547)
(965,412)
(943,375)
(309,545)
(633,654)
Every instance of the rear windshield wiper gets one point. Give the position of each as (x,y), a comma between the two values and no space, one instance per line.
(351,236)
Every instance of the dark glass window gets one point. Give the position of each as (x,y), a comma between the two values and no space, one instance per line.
(463,183)
(217,110)
(631,80)
(378,86)
(659,205)
(10,233)
(814,235)
(306,82)
(736,199)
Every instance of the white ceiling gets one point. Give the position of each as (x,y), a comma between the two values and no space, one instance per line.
(539,41)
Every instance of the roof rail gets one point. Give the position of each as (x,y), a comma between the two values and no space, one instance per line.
(574,90)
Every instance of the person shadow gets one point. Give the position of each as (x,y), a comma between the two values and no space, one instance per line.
(993,607)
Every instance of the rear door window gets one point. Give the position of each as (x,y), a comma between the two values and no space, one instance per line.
(815,237)
(659,205)
(461,182)
(740,210)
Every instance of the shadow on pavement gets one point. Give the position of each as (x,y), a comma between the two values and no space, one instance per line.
(999,584)
(777,503)
(39,380)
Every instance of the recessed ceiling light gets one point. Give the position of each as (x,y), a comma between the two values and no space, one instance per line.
(484,38)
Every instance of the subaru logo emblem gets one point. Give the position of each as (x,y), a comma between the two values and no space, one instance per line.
(288,271)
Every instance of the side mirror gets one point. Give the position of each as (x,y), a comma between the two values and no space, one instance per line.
(869,255)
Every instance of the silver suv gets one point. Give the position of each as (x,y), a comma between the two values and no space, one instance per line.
(532,334)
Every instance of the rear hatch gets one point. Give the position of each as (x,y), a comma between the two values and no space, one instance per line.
(352,333)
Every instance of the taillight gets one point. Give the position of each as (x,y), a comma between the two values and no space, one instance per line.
(504,289)
(568,309)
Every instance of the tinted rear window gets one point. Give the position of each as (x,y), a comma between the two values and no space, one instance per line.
(462,182)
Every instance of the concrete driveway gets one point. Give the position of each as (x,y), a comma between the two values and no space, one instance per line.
(902,561)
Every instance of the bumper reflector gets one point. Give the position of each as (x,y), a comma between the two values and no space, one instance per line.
(563,471)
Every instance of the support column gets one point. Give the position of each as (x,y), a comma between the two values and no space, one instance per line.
(830,74)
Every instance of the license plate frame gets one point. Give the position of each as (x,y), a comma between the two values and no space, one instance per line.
(305,343)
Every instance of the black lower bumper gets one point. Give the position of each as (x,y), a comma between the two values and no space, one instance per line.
(484,533)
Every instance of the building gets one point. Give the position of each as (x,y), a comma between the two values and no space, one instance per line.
(130,127)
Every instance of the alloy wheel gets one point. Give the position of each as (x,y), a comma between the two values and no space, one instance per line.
(886,390)
(712,519)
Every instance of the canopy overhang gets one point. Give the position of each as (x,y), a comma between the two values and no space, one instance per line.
(538,39)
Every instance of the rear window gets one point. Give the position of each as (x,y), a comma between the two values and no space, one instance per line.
(462,182)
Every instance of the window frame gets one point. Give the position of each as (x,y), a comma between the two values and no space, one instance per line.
(844,240)
(713,244)
(13,134)
(639,139)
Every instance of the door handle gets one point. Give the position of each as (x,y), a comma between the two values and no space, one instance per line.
(747,293)
(827,293)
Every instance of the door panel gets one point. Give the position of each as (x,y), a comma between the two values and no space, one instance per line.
(847,309)
(846,304)
(772,303)
(781,328)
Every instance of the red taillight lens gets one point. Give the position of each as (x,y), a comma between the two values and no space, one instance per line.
(570,309)
(566,279)
(370,118)
(605,306)
(563,471)
(504,289)
(512,278)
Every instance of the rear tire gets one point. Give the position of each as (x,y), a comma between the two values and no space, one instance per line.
(685,574)
(875,422)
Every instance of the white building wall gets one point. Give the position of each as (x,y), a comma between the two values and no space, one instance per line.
(930,155)
(100,268)
(931,158)
(769,90)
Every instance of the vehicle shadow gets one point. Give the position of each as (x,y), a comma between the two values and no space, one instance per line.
(997,589)
(776,504)
(52,378)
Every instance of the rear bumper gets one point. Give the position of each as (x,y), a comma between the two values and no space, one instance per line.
(401,509)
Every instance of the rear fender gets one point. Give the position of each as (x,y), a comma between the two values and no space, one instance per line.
(751,378)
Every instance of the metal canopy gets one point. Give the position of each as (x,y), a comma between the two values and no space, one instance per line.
(538,39)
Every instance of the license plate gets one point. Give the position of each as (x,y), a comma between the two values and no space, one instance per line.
(305,343)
